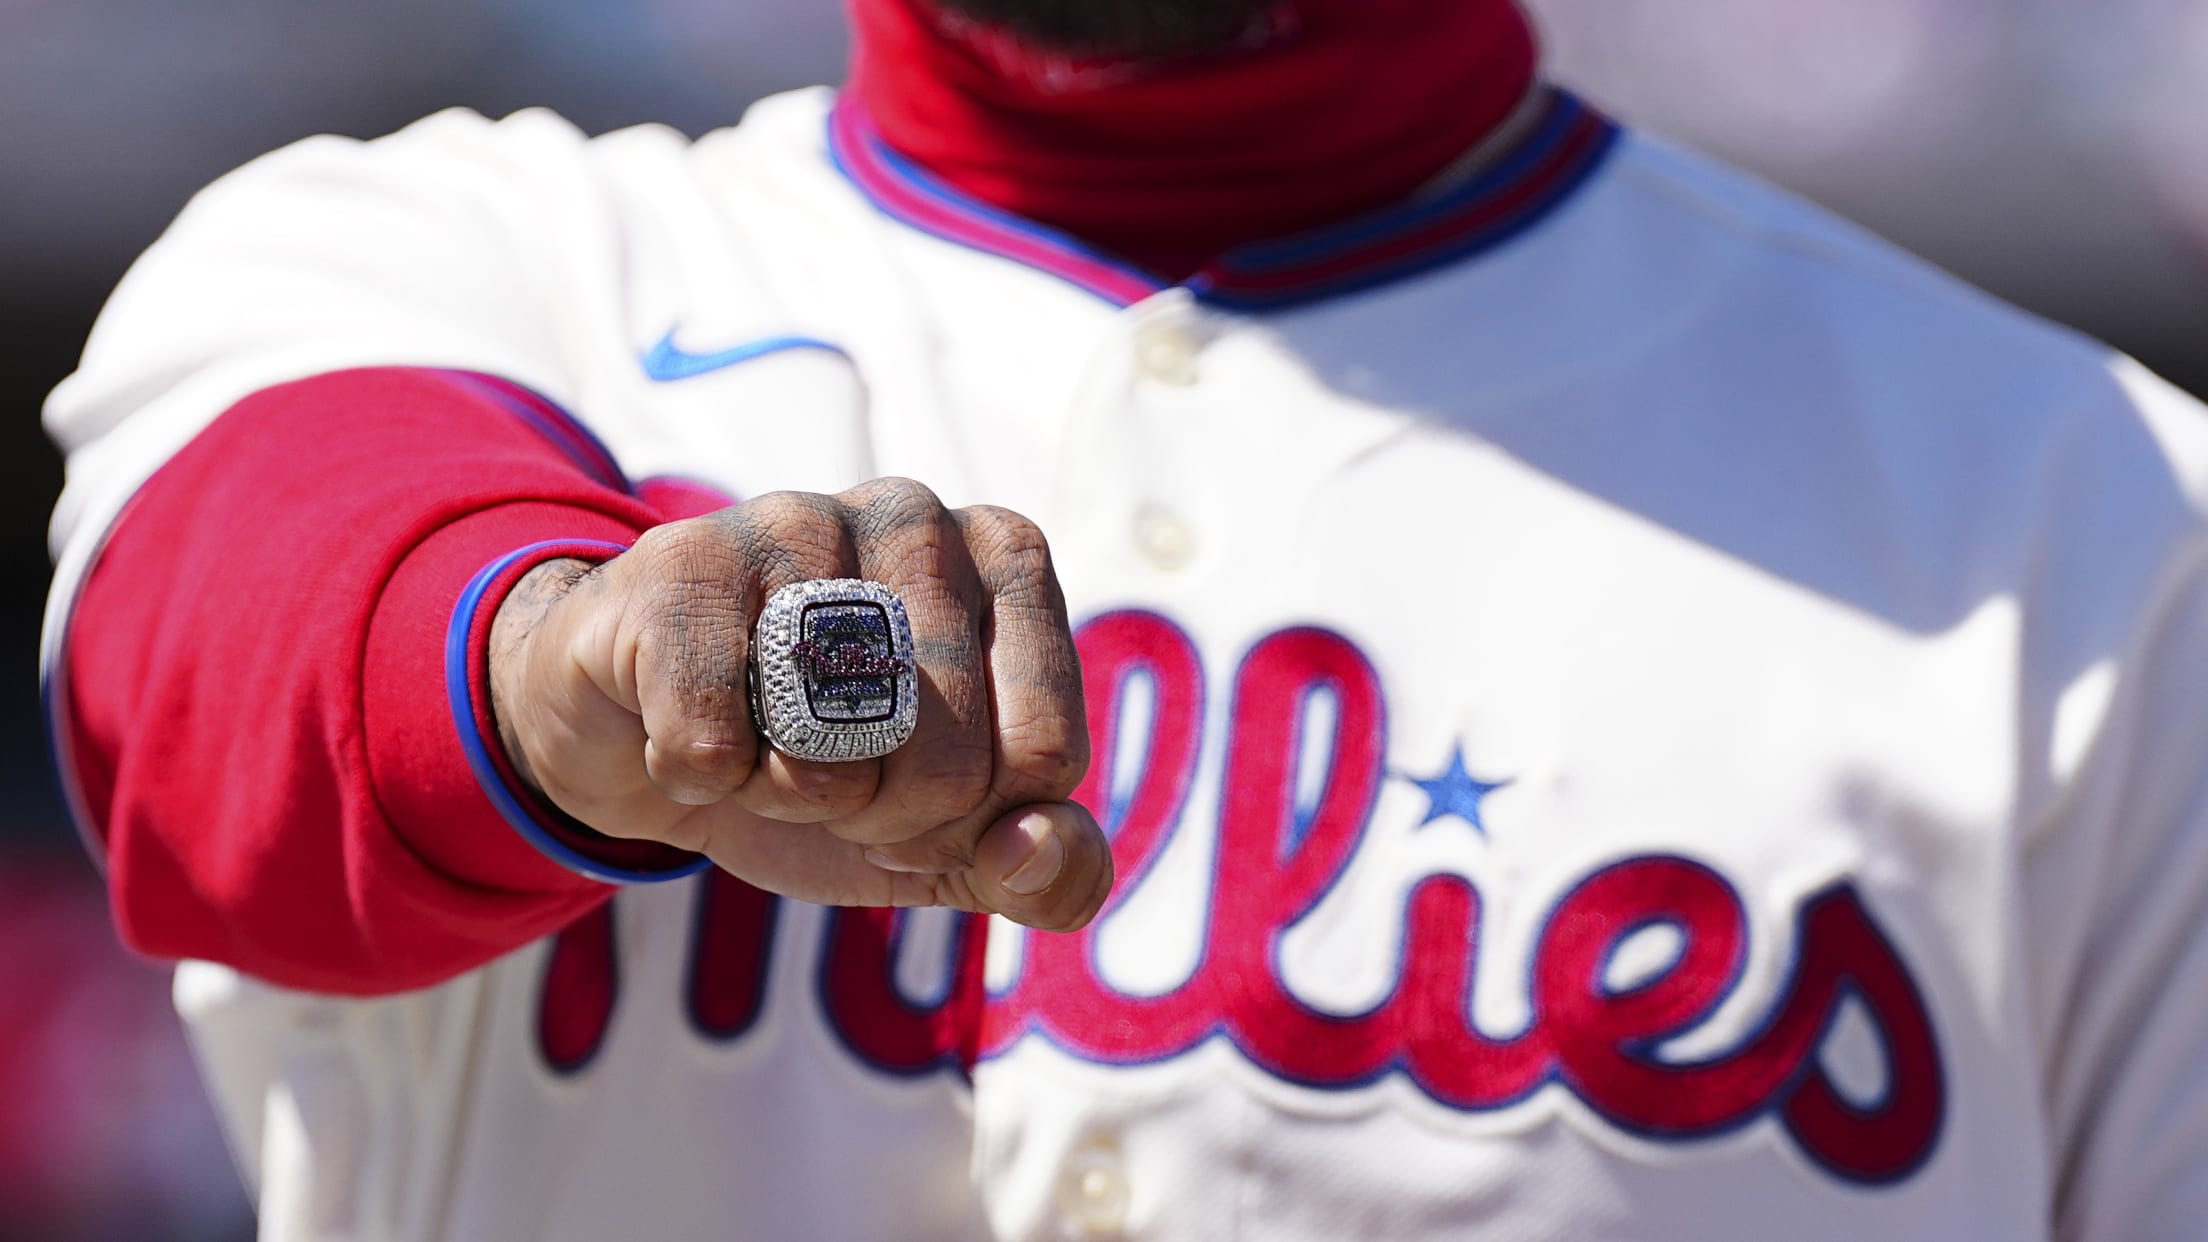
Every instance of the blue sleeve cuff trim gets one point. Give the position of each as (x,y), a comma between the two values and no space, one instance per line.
(471,711)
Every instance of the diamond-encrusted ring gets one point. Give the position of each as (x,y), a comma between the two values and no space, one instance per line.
(832,675)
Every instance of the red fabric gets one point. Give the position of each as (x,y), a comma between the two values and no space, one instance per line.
(675,498)
(1336,107)
(255,675)
(633,860)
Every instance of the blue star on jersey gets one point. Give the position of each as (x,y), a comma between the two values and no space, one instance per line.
(1456,792)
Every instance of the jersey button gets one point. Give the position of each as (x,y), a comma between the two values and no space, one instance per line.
(1166,354)
(1092,1191)
(1164,539)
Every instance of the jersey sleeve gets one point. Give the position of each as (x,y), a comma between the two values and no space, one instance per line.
(318,431)
(2115,911)
(458,242)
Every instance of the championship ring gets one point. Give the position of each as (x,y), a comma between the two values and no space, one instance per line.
(832,674)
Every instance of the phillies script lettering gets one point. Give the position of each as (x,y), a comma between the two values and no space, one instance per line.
(1274,864)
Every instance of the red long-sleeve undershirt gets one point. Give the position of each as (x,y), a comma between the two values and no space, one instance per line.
(256,686)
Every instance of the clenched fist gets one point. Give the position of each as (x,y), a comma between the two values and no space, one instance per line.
(621,696)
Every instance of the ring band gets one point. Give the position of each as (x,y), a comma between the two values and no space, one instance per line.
(832,672)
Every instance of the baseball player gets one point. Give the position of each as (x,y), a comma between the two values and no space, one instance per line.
(1618,707)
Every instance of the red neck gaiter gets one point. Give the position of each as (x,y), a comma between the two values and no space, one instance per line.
(1329,108)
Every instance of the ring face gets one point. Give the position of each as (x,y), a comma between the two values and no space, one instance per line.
(832,671)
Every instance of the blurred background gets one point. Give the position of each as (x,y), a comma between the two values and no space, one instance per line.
(2053,151)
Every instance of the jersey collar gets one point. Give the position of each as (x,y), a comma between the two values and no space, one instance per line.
(1516,184)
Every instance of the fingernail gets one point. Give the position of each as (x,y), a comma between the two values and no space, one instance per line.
(1046,858)
(886,863)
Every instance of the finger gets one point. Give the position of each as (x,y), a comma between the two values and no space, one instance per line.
(694,588)
(1046,865)
(682,641)
(1039,736)
(1032,667)
(909,542)
(798,537)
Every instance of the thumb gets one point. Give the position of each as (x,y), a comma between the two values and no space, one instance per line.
(1046,865)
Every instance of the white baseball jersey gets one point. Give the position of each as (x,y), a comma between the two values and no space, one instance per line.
(1660,718)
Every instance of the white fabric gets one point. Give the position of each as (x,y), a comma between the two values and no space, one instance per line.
(1718,531)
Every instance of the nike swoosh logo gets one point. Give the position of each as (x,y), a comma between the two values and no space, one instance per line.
(667,362)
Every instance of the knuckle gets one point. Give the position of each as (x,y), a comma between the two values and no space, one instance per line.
(683,554)
(789,535)
(953,891)
(1045,756)
(897,503)
(1011,550)
(940,855)
(948,780)
(902,531)
(787,508)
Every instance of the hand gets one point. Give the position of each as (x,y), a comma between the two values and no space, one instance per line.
(621,696)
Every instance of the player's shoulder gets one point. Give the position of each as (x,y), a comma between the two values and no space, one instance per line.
(453,154)
(1864,307)
(1831,272)
(1997,435)
(530,162)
